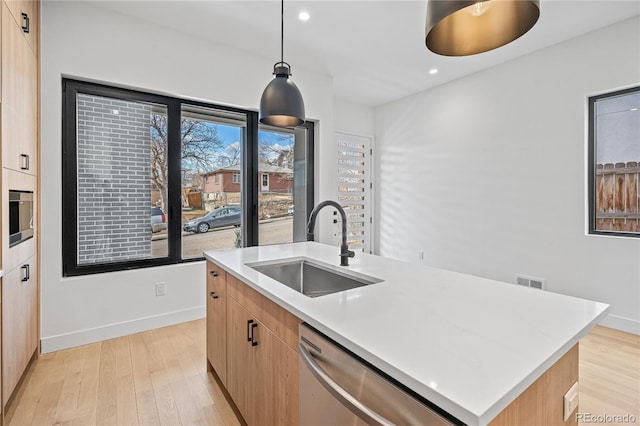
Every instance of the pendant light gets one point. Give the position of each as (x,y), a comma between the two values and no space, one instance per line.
(461,28)
(281,104)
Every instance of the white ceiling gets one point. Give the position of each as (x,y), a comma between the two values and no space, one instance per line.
(374,50)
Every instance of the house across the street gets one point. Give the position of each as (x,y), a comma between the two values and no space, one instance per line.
(226,180)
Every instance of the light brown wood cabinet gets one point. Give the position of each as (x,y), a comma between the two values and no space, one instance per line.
(19,94)
(217,320)
(19,136)
(242,367)
(26,13)
(20,318)
(261,373)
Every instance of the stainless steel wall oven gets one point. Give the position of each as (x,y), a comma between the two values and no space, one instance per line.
(20,216)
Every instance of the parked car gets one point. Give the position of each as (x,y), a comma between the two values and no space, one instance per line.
(290,210)
(218,218)
(158,220)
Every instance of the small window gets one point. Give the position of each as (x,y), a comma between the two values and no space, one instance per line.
(217,178)
(614,163)
(236,178)
(265,182)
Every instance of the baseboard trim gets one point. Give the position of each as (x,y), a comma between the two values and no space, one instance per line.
(622,324)
(97,334)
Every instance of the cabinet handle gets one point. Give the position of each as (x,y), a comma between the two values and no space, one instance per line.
(25,276)
(253,342)
(213,273)
(213,295)
(25,161)
(25,27)
(249,322)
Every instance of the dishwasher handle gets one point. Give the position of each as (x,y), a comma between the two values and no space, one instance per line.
(348,400)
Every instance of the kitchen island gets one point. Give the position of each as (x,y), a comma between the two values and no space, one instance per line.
(471,346)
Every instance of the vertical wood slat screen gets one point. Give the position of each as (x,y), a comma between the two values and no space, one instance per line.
(354,188)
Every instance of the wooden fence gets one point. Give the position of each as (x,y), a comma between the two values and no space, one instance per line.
(617,197)
(195,199)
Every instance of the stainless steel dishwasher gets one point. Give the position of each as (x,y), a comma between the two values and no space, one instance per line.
(337,388)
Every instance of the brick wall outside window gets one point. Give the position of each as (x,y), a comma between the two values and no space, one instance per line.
(114,184)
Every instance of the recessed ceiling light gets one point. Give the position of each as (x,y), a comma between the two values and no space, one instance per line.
(304,16)
(633,109)
(433,71)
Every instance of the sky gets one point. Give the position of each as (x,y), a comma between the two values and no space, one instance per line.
(231,134)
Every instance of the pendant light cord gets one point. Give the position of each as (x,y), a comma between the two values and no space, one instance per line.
(282,32)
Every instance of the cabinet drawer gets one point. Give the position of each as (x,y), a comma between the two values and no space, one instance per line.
(281,322)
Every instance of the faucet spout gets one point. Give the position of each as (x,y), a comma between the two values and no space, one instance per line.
(345,253)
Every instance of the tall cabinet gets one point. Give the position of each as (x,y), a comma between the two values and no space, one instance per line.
(19,124)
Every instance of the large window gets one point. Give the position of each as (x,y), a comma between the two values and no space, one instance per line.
(137,187)
(614,163)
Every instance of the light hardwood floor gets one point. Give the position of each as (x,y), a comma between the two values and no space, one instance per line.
(159,377)
(609,375)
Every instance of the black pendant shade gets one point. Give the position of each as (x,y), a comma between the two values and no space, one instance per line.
(281,104)
(460,28)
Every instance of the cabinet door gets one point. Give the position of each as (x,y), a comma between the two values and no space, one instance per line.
(262,379)
(31,317)
(217,320)
(19,98)
(31,8)
(238,356)
(19,323)
(249,372)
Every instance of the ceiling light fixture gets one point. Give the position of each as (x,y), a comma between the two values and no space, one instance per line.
(281,104)
(304,16)
(433,71)
(461,28)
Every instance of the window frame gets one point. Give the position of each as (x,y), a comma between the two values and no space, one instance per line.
(592,164)
(71,88)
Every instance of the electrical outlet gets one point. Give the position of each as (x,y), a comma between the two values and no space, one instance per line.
(160,289)
(570,401)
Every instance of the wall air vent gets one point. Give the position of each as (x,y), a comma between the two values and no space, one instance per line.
(539,283)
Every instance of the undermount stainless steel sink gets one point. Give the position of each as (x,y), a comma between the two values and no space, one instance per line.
(310,277)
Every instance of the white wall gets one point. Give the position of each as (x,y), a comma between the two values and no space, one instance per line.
(486,174)
(84,41)
(353,118)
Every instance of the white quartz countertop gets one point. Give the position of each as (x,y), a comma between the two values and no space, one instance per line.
(469,345)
